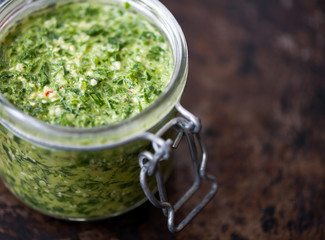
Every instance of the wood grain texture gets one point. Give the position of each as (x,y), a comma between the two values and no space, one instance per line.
(256,80)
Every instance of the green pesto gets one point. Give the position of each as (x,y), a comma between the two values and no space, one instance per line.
(73,184)
(84,65)
(80,65)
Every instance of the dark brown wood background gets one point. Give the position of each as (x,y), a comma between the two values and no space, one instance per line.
(256,80)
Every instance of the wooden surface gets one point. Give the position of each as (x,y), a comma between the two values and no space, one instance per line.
(256,80)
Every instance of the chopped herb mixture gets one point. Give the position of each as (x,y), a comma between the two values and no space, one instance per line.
(80,65)
(84,65)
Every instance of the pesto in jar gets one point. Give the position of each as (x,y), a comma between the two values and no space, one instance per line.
(80,65)
(84,65)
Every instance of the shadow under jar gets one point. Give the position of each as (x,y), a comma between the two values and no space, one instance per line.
(92,173)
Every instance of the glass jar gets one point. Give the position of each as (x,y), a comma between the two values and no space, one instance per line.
(93,173)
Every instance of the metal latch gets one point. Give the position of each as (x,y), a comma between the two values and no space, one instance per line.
(188,126)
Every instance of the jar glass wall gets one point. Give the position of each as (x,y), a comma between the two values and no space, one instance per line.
(88,173)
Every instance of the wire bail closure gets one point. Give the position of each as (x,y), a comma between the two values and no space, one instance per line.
(189,126)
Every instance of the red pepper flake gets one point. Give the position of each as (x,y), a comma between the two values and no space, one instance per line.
(48,93)
(95,169)
(60,87)
(5,139)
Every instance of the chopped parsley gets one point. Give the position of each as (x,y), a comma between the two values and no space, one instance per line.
(84,65)
(80,65)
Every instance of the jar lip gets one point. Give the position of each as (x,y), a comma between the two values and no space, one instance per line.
(28,126)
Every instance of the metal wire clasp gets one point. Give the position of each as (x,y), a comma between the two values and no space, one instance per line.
(189,126)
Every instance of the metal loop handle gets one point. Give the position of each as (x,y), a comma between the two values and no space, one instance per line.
(189,126)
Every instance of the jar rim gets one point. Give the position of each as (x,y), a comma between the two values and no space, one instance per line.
(45,134)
